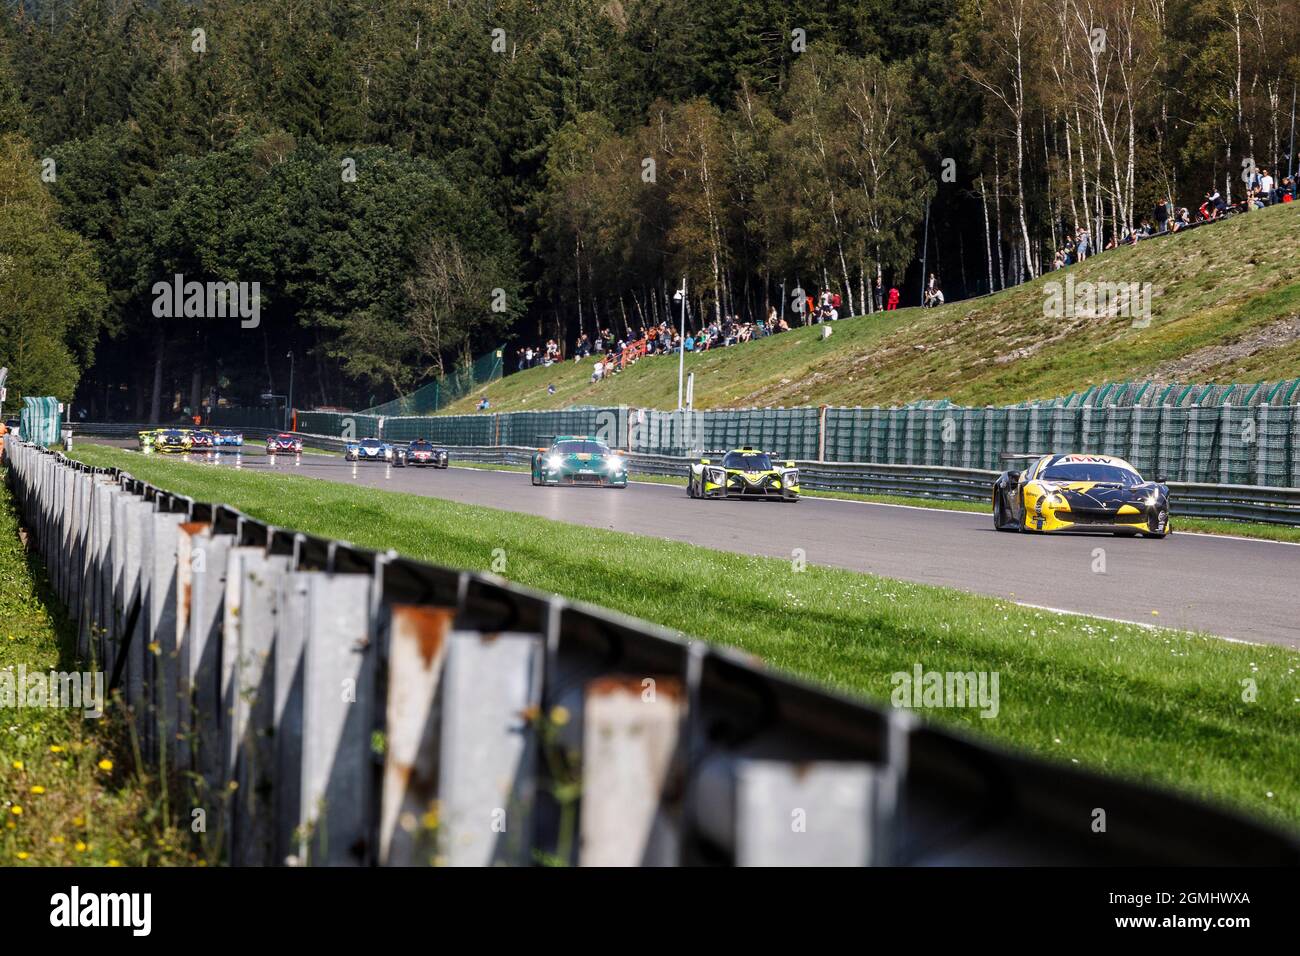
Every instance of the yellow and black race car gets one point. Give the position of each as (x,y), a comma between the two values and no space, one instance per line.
(171,439)
(1080,493)
(744,473)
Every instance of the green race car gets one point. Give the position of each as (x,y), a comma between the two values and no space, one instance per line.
(579,460)
(744,473)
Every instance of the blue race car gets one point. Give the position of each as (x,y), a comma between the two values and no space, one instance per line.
(369,449)
(228,438)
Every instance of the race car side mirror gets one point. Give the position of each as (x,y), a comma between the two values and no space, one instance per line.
(1161,480)
(1013,476)
(704,461)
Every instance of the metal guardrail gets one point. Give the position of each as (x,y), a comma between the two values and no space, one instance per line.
(1265,504)
(333,705)
(1230,502)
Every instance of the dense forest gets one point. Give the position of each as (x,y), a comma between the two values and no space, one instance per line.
(412,182)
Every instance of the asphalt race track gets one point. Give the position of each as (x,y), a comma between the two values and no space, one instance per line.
(1232,587)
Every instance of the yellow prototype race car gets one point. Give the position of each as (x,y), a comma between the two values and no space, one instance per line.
(744,473)
(172,440)
(1080,493)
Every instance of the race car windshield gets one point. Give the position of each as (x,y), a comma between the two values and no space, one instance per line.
(1090,471)
(580,448)
(741,462)
(420,446)
(371,443)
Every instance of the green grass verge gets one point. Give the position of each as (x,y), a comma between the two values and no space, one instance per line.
(1220,287)
(1240,529)
(68,795)
(1156,705)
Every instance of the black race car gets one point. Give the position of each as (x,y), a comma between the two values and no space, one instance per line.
(1080,493)
(422,454)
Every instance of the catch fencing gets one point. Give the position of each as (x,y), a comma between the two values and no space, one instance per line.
(445,389)
(332,705)
(1227,444)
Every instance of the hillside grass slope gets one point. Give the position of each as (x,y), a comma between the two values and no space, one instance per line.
(1227,308)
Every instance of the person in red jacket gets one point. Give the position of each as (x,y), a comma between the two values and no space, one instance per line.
(893,299)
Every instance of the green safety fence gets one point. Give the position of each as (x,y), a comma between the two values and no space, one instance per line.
(1149,394)
(41,420)
(1215,443)
(446,389)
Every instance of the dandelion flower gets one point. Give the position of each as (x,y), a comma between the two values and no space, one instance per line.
(105,764)
(55,749)
(38,789)
(16,811)
(23,854)
(18,765)
(79,847)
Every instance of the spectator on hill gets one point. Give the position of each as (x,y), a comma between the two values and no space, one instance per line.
(598,370)
(893,299)
(880,295)
(1266,187)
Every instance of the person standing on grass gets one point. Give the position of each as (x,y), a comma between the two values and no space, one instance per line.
(1266,187)
(893,298)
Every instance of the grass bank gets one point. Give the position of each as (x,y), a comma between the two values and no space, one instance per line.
(1226,303)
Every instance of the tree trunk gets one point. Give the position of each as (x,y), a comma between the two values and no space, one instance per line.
(155,406)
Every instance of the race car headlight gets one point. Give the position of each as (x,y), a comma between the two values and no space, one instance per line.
(615,464)
(715,475)
(554,462)
(790,478)
(1153,499)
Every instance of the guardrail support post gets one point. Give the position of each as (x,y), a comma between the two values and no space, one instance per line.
(338,701)
(631,763)
(416,652)
(492,684)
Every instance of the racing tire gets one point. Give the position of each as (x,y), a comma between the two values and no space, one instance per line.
(1162,520)
(690,488)
(1000,522)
